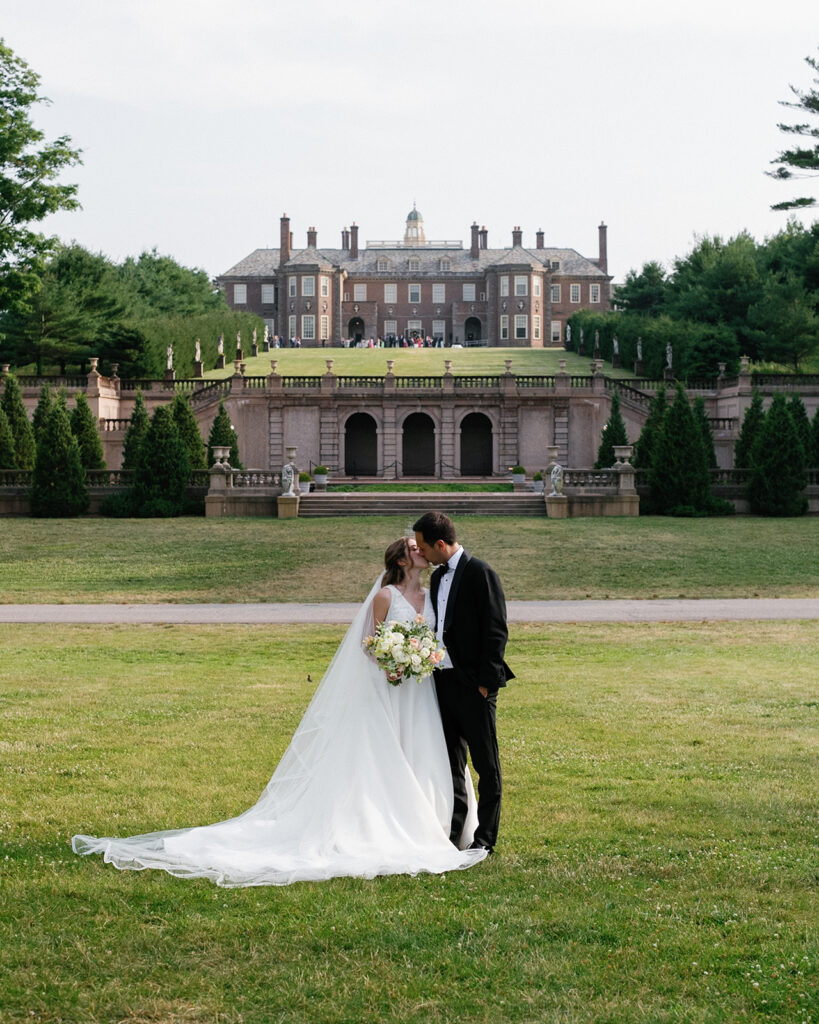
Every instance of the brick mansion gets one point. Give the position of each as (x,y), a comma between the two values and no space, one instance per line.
(419,288)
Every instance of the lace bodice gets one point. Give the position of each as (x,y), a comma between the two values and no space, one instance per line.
(403,611)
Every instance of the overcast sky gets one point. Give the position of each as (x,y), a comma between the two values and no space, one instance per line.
(202,122)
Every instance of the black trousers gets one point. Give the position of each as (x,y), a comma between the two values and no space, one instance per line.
(469,724)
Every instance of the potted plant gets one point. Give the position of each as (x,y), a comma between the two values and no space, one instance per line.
(320,476)
(537,479)
(304,482)
(518,475)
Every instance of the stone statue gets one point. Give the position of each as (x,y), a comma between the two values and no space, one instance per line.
(238,339)
(640,348)
(668,354)
(556,477)
(596,341)
(288,478)
(220,348)
(197,355)
(266,335)
(568,334)
(581,347)
(615,345)
(254,335)
(169,354)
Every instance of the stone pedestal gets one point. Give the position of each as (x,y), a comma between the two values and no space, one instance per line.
(240,356)
(288,506)
(220,362)
(557,506)
(639,369)
(668,374)
(170,375)
(198,369)
(254,349)
(615,361)
(265,346)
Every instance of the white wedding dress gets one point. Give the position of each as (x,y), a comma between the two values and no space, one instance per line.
(363,789)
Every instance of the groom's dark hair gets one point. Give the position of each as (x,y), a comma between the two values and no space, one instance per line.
(435,526)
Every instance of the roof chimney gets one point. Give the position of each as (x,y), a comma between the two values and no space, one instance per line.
(311,238)
(354,241)
(473,252)
(483,234)
(284,244)
(517,236)
(603,257)
(539,240)
(345,239)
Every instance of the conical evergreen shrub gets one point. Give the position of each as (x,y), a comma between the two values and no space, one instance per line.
(41,412)
(751,424)
(679,477)
(799,415)
(135,434)
(223,434)
(189,432)
(84,428)
(8,456)
(706,433)
(163,472)
(58,484)
(12,405)
(614,433)
(814,430)
(644,449)
(777,480)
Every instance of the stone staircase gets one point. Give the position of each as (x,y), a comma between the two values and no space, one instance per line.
(409,503)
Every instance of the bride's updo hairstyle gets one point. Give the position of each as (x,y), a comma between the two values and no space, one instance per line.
(397,551)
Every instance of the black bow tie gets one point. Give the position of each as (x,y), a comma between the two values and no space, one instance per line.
(448,568)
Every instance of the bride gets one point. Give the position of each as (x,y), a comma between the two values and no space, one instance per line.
(363,789)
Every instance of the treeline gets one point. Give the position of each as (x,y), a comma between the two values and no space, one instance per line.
(126,313)
(724,300)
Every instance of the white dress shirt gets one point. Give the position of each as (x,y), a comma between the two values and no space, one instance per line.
(440,604)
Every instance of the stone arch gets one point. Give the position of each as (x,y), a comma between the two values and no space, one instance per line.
(472,331)
(477,456)
(418,445)
(360,445)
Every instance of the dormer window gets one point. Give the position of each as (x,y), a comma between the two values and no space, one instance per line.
(555,264)
(382,264)
(414,264)
(445,263)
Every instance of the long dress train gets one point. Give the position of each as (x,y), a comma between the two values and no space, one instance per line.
(363,789)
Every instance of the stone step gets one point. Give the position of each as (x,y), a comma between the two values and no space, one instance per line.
(414,503)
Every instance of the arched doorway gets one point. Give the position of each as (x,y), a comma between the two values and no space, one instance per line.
(476,445)
(355,329)
(472,331)
(418,452)
(360,445)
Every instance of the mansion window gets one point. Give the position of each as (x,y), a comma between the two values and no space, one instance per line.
(536,286)
(325,287)
(521,326)
(360,292)
(308,287)
(414,291)
(594,293)
(536,328)
(292,285)
(268,294)
(439,328)
(391,293)
(308,327)
(239,294)
(291,326)
(439,293)
(414,264)
(390,327)
(325,328)
(469,293)
(574,293)
(504,286)
(504,327)
(555,330)
(521,286)
(555,293)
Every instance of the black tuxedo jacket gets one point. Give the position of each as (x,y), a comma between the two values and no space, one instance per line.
(475,632)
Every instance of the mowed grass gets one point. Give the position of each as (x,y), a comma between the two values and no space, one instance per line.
(225,560)
(657,860)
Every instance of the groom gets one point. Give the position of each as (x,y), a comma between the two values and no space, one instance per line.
(470,618)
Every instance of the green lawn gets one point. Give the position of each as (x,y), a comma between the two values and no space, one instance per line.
(200,560)
(657,860)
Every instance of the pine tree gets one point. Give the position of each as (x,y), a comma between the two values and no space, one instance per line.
(8,456)
(223,434)
(58,485)
(12,405)
(679,476)
(706,434)
(84,428)
(41,412)
(614,433)
(135,434)
(657,409)
(751,425)
(189,432)
(799,415)
(777,481)
(163,472)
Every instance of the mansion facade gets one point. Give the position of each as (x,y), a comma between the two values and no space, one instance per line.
(415,288)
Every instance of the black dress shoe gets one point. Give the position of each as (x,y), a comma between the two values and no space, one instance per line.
(476,844)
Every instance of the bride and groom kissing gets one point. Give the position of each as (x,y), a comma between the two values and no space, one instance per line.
(375,779)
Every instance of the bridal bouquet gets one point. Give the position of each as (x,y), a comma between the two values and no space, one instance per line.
(403,650)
